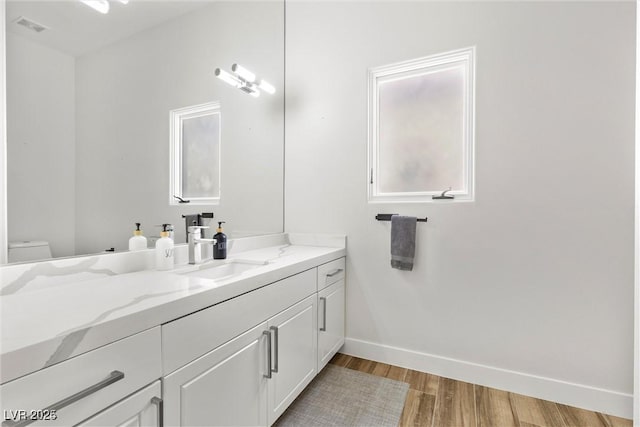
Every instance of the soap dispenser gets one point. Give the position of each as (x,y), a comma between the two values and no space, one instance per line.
(138,242)
(220,248)
(164,249)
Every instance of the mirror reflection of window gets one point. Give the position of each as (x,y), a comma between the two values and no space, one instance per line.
(201,157)
(195,140)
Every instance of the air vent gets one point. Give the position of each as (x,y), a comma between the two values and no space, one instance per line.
(30,24)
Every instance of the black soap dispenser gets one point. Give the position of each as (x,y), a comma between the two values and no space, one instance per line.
(220,248)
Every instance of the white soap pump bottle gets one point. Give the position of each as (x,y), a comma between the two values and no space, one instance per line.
(164,250)
(138,242)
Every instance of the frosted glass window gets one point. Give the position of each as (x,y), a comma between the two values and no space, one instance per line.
(200,156)
(195,148)
(421,135)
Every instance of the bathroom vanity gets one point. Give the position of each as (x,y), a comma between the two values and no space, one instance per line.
(222,343)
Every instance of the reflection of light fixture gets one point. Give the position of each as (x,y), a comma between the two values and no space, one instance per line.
(243,73)
(229,78)
(244,80)
(101,6)
(266,87)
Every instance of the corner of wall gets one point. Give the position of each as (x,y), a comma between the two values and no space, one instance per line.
(636,356)
(3,138)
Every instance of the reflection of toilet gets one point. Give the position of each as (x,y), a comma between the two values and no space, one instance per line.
(29,251)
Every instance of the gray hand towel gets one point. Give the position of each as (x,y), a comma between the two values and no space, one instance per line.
(403,241)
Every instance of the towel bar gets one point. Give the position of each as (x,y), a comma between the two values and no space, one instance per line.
(387,217)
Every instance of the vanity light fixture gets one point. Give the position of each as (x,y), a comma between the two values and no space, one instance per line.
(228,77)
(267,87)
(101,6)
(244,80)
(243,73)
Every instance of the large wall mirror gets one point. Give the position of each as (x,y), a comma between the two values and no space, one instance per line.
(89,97)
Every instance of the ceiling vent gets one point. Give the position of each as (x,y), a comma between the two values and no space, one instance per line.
(30,24)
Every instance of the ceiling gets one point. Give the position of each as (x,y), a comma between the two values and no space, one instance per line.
(76,29)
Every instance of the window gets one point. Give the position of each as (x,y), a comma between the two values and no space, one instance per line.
(195,154)
(421,119)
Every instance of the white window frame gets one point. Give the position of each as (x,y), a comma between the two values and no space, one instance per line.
(419,67)
(177,117)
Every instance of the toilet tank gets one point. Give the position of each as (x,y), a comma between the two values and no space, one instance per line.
(30,250)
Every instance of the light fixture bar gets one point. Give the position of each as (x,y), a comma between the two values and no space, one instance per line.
(101,6)
(244,79)
(243,72)
(228,78)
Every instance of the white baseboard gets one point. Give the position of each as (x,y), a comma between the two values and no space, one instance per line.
(581,396)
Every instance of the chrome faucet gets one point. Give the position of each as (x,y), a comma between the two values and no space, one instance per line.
(194,240)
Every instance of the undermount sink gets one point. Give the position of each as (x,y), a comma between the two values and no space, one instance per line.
(223,271)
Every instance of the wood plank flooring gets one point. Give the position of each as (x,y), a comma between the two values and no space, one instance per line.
(435,401)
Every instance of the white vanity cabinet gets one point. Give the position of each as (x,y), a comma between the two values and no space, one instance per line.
(226,386)
(293,354)
(248,378)
(141,409)
(72,391)
(241,361)
(331,301)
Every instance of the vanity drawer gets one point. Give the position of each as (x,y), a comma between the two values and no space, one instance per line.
(330,272)
(190,337)
(88,383)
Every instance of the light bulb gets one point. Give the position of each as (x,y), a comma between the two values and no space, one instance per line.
(226,77)
(243,72)
(101,6)
(267,87)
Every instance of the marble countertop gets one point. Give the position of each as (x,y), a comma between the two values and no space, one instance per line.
(50,325)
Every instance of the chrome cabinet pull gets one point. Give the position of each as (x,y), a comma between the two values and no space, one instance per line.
(275,336)
(334,272)
(324,314)
(160,407)
(112,378)
(268,334)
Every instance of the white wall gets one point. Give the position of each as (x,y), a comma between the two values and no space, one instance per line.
(636,355)
(124,95)
(3,139)
(41,144)
(530,287)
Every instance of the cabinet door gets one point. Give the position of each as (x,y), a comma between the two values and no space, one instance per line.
(330,322)
(294,344)
(85,385)
(226,386)
(140,409)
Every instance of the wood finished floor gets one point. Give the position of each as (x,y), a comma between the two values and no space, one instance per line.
(435,401)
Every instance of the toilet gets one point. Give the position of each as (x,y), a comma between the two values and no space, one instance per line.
(32,250)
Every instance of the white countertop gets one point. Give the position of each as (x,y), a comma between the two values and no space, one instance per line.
(47,326)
